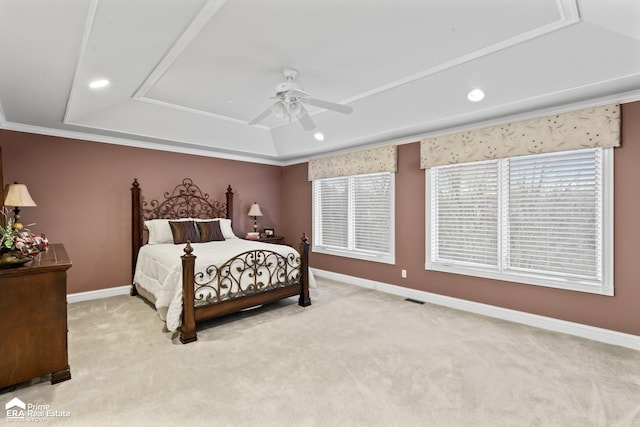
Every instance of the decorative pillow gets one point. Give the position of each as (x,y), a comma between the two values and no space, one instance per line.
(225,227)
(183,231)
(209,231)
(160,231)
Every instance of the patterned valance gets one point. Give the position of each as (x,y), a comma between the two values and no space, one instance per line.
(383,159)
(589,128)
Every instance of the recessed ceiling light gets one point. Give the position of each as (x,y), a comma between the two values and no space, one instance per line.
(475,95)
(319,136)
(96,84)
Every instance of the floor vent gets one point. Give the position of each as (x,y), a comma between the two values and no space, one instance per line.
(414,300)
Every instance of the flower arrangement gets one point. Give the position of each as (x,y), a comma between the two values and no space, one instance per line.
(20,243)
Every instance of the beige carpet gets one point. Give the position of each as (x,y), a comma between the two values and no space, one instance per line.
(355,357)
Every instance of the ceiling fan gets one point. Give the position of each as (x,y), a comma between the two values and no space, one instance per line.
(290,103)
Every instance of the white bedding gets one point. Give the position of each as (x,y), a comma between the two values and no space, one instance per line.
(159,269)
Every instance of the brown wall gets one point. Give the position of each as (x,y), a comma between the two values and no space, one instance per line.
(82,191)
(621,312)
(83,197)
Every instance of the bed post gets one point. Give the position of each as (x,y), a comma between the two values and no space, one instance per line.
(188,328)
(136,230)
(229,195)
(304,299)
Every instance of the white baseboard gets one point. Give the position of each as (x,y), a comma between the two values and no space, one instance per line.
(98,294)
(549,323)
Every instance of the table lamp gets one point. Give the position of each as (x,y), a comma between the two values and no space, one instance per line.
(255,212)
(17,195)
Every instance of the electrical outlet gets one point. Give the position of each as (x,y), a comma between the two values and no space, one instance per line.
(404,274)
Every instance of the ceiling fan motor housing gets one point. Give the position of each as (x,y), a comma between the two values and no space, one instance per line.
(289,74)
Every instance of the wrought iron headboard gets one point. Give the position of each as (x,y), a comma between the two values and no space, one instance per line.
(186,200)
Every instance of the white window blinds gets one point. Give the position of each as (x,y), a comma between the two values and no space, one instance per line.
(332,199)
(542,219)
(353,216)
(371,212)
(554,214)
(465,221)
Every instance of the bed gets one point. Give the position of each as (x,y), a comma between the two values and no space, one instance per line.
(188,262)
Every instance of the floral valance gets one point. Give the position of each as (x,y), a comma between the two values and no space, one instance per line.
(382,159)
(588,128)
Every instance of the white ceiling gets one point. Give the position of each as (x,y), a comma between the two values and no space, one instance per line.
(188,75)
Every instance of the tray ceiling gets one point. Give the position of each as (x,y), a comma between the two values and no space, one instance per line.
(188,76)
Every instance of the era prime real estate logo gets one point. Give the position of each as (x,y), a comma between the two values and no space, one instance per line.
(15,409)
(18,411)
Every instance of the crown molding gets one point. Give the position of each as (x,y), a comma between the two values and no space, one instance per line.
(84,136)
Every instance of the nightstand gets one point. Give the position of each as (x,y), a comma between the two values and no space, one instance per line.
(278,240)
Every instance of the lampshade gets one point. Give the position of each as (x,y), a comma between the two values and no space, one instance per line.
(294,108)
(280,111)
(288,109)
(17,195)
(255,210)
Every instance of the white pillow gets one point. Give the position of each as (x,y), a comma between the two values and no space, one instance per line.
(225,226)
(160,230)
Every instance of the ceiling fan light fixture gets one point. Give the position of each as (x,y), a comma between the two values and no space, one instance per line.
(280,111)
(294,109)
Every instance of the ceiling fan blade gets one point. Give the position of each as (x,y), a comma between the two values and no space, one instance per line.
(305,120)
(298,92)
(262,115)
(328,105)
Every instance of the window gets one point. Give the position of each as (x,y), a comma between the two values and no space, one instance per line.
(544,219)
(353,216)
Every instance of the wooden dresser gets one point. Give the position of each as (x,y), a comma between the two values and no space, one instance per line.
(33,319)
